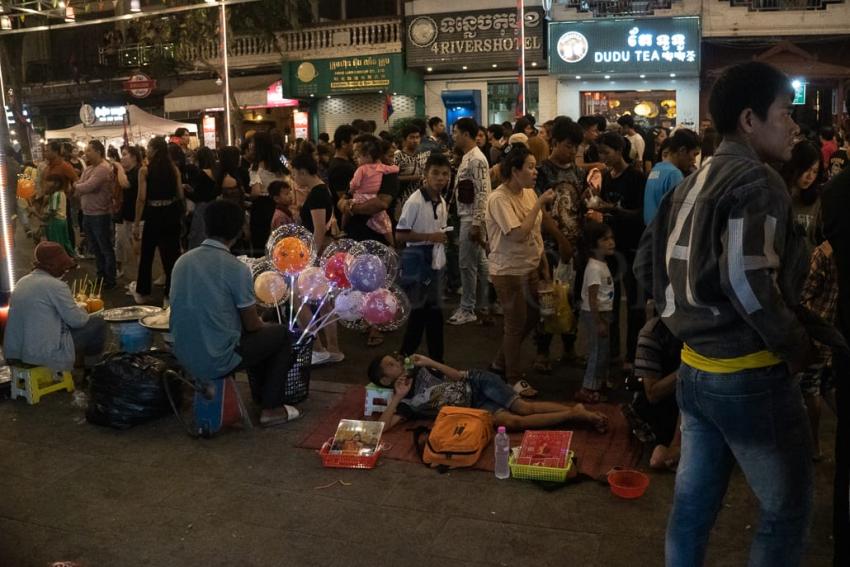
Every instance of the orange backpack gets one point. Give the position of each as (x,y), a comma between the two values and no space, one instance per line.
(458,437)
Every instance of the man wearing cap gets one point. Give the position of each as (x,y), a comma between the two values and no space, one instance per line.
(45,326)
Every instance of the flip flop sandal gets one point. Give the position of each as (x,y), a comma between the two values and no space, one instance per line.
(292,414)
(524,389)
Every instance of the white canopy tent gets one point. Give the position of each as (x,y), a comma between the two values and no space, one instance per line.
(140,126)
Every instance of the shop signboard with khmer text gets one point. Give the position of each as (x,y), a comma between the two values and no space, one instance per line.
(476,39)
(346,75)
(651,46)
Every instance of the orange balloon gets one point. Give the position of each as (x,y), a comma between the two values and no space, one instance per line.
(291,255)
(26,188)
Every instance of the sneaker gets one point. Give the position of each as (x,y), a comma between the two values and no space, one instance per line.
(462,317)
(319,358)
(142,299)
(130,288)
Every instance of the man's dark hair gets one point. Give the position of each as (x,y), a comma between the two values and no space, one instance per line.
(344,134)
(683,138)
(55,146)
(613,140)
(433,122)
(275,187)
(497,130)
(827,133)
(601,123)
(305,162)
(564,129)
(410,129)
(587,122)
(224,220)
(134,152)
(180,132)
(112,153)
(468,126)
(361,125)
(748,85)
(436,159)
(370,145)
(523,123)
(324,137)
(98,147)
(710,141)
(374,370)
(626,120)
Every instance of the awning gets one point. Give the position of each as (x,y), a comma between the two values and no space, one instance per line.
(141,125)
(193,96)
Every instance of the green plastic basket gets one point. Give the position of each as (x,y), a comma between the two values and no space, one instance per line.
(531,472)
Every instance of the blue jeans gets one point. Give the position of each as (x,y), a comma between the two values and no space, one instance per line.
(99,232)
(598,350)
(474,273)
(757,418)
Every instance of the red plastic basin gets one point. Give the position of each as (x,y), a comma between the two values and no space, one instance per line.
(627,483)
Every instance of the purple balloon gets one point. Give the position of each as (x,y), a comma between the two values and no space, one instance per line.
(367,273)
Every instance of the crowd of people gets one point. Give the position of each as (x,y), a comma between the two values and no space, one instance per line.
(709,244)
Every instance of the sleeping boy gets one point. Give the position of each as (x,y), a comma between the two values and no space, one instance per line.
(429,385)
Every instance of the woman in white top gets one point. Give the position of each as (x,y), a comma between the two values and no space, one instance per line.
(267,167)
(514,215)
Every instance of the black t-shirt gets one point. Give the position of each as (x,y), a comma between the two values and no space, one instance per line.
(128,199)
(356,227)
(627,192)
(340,172)
(319,198)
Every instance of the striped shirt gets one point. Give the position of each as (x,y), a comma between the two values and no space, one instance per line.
(658,351)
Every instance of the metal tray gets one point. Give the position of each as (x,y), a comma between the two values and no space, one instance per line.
(127,314)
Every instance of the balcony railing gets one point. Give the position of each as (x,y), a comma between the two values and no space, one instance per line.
(332,40)
(783,5)
(609,8)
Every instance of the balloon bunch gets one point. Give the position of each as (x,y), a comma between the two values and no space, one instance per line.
(357,278)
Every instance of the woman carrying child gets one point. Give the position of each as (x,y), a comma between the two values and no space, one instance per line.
(366,182)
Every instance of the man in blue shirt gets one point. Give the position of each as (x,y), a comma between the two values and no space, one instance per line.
(214,318)
(679,153)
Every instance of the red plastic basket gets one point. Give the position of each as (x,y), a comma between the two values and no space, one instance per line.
(335,461)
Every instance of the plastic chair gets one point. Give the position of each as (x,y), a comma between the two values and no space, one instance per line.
(33,382)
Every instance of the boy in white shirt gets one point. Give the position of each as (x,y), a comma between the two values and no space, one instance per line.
(421,227)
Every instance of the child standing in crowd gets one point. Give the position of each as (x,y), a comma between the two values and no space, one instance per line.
(597,302)
(56,221)
(421,226)
(367,182)
(820,295)
(281,193)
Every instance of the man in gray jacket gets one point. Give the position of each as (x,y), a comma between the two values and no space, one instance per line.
(726,270)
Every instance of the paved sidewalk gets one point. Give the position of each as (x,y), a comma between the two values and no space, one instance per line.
(152,496)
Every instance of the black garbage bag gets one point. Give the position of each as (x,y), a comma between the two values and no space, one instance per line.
(128,389)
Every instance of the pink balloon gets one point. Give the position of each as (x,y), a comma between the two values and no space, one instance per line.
(380,307)
(312,284)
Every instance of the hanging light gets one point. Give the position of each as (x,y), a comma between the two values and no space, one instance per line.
(69,14)
(135,6)
(5,23)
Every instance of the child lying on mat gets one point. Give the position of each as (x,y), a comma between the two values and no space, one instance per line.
(431,385)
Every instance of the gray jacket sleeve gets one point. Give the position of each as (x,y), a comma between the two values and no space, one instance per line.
(69,311)
(761,271)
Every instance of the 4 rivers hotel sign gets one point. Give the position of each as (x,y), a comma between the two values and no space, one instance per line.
(477,39)
(652,46)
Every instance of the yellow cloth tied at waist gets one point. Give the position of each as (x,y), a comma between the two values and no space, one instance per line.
(760,359)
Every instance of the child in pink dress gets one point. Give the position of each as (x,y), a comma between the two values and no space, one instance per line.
(367,182)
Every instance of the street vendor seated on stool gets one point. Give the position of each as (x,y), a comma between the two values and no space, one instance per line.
(214,320)
(46,327)
(421,393)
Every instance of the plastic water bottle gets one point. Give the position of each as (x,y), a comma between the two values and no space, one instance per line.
(503,449)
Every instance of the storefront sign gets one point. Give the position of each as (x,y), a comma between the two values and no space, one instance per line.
(110,113)
(625,47)
(475,39)
(366,73)
(274,96)
(301,123)
(209,130)
(139,85)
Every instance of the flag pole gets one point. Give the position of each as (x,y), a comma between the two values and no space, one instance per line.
(520,6)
